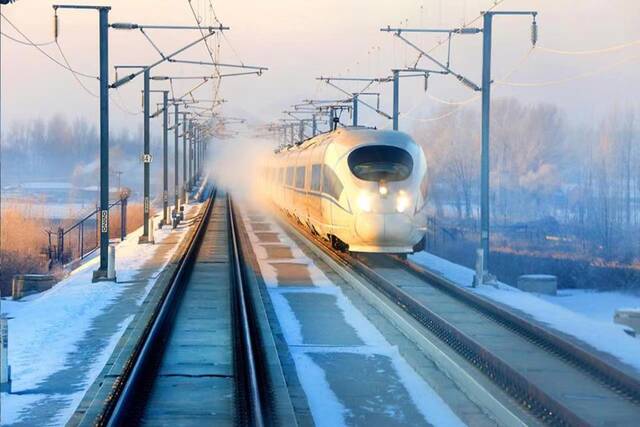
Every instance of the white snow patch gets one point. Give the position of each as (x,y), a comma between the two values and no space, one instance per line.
(10,414)
(47,327)
(600,306)
(324,404)
(587,317)
(290,325)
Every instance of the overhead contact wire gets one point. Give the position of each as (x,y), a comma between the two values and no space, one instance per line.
(35,45)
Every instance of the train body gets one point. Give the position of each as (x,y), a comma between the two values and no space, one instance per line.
(363,189)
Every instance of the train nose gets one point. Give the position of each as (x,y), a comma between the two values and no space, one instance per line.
(390,229)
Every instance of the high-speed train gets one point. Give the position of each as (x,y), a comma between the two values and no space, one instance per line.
(363,189)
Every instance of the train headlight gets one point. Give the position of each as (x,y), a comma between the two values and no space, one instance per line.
(383,189)
(364,201)
(402,202)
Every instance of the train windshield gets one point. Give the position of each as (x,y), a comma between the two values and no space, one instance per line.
(380,162)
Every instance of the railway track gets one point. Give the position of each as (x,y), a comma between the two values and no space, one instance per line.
(549,378)
(197,362)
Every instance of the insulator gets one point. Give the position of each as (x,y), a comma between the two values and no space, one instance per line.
(534,32)
(426,81)
(468,83)
(55,26)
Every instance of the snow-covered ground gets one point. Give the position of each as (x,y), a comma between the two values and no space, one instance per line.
(327,405)
(584,314)
(47,327)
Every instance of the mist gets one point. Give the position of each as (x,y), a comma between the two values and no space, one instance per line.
(237,164)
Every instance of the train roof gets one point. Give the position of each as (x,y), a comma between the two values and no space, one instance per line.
(354,136)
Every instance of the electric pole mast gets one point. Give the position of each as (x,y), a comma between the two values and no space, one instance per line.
(485,90)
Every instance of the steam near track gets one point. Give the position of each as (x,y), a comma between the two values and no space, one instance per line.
(236,163)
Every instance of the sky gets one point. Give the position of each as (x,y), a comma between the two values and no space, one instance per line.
(301,40)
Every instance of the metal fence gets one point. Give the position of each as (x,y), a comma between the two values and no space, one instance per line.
(82,238)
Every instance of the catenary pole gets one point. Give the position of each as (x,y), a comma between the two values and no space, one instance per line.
(176,159)
(190,154)
(355,109)
(485,114)
(103,31)
(101,273)
(486,104)
(196,146)
(185,182)
(396,98)
(146,159)
(165,157)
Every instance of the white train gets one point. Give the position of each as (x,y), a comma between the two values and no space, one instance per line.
(363,189)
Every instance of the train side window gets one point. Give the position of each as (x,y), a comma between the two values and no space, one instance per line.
(331,183)
(290,176)
(300,177)
(315,177)
(280,175)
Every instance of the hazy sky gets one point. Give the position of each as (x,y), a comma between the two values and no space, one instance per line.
(301,40)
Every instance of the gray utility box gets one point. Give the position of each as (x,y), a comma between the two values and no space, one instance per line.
(538,283)
(25,284)
(629,317)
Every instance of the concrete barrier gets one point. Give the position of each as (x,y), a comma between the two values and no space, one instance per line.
(25,284)
(538,283)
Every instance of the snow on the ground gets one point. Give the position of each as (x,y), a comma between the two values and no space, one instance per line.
(325,406)
(599,306)
(586,315)
(46,327)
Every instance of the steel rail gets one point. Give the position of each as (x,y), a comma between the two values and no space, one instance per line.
(615,378)
(244,335)
(123,406)
(528,395)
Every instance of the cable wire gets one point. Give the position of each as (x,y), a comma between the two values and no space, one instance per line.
(444,101)
(31,43)
(27,43)
(195,15)
(75,76)
(440,42)
(613,48)
(570,78)
(459,104)
(120,106)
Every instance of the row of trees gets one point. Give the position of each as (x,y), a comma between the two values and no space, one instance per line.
(587,177)
(67,150)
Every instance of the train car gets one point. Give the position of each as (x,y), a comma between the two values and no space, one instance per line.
(363,189)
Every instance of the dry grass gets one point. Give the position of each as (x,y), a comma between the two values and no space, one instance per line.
(23,241)
(134,219)
(22,245)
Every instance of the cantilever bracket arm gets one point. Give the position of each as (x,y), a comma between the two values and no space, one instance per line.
(132,76)
(445,68)
(366,104)
(218,64)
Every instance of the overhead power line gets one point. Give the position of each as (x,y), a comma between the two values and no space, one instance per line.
(27,43)
(35,45)
(579,76)
(440,42)
(613,48)
(75,76)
